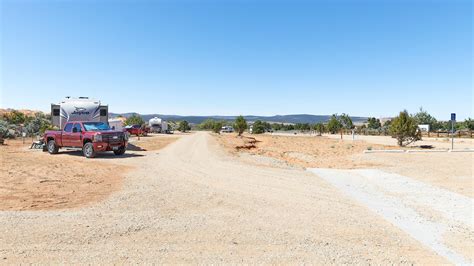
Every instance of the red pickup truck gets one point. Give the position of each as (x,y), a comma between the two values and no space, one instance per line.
(137,130)
(91,137)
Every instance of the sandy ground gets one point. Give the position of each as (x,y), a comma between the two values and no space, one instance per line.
(437,143)
(304,151)
(193,203)
(452,171)
(33,180)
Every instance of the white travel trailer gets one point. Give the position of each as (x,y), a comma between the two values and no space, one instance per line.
(158,125)
(116,123)
(78,109)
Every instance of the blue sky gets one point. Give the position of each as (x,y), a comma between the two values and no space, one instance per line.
(365,58)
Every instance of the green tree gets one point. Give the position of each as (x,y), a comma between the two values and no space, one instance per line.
(346,121)
(373,123)
(258,127)
(183,126)
(134,120)
(469,123)
(424,118)
(405,129)
(277,126)
(240,124)
(334,125)
(207,124)
(303,126)
(319,127)
(217,126)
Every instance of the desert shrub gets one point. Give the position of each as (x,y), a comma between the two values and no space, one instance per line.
(7,130)
(240,124)
(38,125)
(16,117)
(405,129)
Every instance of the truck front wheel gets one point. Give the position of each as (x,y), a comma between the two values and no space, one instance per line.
(120,151)
(88,150)
(52,147)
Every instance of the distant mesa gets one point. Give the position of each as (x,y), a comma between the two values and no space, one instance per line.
(293,119)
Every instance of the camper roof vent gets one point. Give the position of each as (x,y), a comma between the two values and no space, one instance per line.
(83,97)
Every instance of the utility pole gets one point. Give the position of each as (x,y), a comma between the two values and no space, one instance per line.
(453,120)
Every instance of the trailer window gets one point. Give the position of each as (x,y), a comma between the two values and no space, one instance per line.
(68,127)
(103,112)
(55,112)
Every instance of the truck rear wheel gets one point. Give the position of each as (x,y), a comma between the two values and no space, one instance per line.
(120,151)
(52,147)
(88,150)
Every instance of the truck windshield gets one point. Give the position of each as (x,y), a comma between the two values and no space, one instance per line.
(96,126)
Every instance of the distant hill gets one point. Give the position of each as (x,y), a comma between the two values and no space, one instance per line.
(293,119)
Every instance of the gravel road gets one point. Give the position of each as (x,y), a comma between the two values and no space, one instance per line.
(430,214)
(193,203)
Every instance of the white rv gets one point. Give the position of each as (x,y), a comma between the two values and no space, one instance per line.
(158,125)
(116,124)
(78,109)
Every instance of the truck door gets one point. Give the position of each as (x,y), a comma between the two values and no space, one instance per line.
(66,136)
(76,135)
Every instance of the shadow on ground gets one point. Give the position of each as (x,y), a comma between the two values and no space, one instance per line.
(102,155)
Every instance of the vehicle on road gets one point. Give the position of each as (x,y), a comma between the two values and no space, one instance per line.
(91,137)
(137,130)
(227,129)
(158,125)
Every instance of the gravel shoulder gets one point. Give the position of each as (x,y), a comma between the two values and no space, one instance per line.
(431,215)
(192,203)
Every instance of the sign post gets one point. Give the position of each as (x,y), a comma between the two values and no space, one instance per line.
(453,120)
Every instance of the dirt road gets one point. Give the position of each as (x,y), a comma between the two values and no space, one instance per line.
(190,202)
